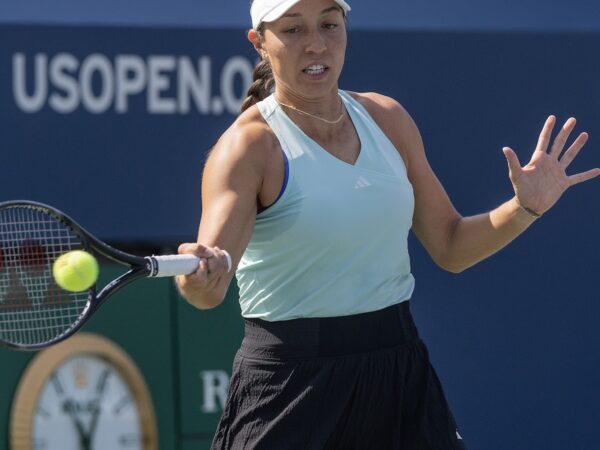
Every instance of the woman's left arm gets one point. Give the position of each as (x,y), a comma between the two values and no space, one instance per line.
(455,242)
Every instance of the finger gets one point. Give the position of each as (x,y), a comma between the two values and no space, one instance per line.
(203,272)
(186,248)
(200,250)
(220,261)
(561,138)
(213,273)
(568,157)
(216,265)
(514,166)
(205,251)
(198,279)
(584,176)
(212,266)
(546,134)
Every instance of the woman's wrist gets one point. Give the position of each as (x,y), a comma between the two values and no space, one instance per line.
(526,210)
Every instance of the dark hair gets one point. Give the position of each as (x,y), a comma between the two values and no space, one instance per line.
(262,82)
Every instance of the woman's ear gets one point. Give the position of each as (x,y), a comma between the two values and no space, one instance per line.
(256,41)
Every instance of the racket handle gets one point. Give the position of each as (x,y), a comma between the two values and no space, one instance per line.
(172,265)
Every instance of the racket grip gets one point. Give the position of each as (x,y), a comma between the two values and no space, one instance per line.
(173,265)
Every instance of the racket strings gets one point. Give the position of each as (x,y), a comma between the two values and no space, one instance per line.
(33,308)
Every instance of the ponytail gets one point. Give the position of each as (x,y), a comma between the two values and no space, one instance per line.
(262,85)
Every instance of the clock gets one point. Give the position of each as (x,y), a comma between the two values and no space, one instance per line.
(83,394)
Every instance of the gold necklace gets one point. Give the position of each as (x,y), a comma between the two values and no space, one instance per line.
(330,122)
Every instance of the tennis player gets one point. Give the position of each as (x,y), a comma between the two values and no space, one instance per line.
(313,190)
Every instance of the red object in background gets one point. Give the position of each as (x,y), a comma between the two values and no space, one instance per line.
(32,254)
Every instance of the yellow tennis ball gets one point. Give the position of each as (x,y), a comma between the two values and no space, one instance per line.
(75,271)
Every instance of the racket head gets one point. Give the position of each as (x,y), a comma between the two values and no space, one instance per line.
(34,311)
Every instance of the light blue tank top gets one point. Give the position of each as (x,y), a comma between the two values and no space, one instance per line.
(335,241)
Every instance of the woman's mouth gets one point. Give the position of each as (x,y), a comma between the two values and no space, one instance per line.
(315,69)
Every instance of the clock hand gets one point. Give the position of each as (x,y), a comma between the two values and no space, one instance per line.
(94,423)
(83,438)
(101,388)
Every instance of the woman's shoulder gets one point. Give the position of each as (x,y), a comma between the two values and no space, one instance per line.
(248,138)
(250,130)
(393,119)
(380,106)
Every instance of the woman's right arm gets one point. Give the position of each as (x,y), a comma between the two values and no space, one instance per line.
(231,181)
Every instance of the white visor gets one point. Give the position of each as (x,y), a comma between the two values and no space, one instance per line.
(271,10)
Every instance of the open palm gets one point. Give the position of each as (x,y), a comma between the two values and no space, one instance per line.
(539,184)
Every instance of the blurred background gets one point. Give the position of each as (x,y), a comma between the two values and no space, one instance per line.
(107,110)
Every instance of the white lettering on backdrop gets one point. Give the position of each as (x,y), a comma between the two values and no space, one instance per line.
(168,84)
(215,385)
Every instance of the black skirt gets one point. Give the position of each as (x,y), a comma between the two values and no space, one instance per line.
(354,382)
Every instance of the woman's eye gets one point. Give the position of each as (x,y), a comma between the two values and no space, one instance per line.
(330,26)
(292,30)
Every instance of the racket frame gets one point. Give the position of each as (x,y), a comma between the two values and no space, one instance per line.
(140,267)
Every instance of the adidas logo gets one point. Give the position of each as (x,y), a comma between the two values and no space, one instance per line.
(362,182)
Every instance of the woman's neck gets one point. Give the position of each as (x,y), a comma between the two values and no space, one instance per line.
(326,109)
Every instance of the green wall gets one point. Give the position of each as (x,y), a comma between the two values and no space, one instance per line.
(178,348)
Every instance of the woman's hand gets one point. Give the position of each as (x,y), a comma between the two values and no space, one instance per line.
(204,287)
(540,183)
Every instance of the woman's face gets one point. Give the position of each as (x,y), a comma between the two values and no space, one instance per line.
(306,48)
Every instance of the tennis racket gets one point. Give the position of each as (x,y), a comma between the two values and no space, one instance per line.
(34,311)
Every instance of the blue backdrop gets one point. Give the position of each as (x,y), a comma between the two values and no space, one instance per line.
(112,125)
(459,15)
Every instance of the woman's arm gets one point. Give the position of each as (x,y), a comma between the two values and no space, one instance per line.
(231,183)
(455,242)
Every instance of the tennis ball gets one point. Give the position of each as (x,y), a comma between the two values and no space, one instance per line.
(75,271)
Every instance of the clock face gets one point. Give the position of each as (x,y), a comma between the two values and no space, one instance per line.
(86,404)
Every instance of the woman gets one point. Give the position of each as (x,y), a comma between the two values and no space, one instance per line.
(313,190)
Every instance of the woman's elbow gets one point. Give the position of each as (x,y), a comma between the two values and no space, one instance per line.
(204,301)
(198,297)
(452,265)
